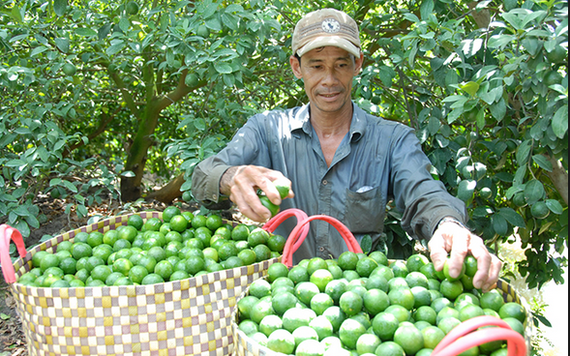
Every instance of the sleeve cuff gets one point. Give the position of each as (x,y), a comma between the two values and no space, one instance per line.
(213,186)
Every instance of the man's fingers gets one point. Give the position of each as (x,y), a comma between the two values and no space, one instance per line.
(438,251)
(493,275)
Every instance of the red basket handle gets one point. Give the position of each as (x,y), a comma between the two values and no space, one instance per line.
(275,221)
(461,338)
(8,233)
(296,239)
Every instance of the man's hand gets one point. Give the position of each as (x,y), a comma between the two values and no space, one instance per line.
(240,183)
(458,241)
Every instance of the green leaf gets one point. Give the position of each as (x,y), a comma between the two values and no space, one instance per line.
(554,206)
(500,41)
(23,227)
(366,243)
(128,174)
(115,48)
(523,152)
(86,32)
(214,24)
(70,186)
(498,110)
(15,14)
(15,163)
(104,31)
(512,217)
(465,189)
(222,67)
(560,121)
(470,88)
(62,44)
(60,7)
(426,9)
(542,162)
(55,181)
(32,221)
(499,224)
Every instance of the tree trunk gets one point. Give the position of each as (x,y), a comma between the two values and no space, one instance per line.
(169,192)
(136,159)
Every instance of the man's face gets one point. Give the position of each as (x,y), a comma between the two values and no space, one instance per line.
(327,73)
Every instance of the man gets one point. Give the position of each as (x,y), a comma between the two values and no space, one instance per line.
(339,160)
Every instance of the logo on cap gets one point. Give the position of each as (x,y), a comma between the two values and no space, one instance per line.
(330,26)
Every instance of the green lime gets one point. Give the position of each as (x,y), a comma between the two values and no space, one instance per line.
(262,252)
(305,291)
(432,336)
(348,260)
(367,344)
(403,297)
(269,324)
(410,338)
(512,310)
(390,348)
(246,304)
(257,236)
(322,326)
(276,270)
(282,302)
(273,208)
(375,301)
(81,249)
(135,221)
(321,302)
(152,278)
(281,341)
(101,272)
(351,303)
(349,332)
(380,257)
(415,262)
(169,212)
(321,277)
(492,300)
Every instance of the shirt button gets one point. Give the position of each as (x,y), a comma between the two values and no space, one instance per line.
(214,197)
(321,249)
(325,182)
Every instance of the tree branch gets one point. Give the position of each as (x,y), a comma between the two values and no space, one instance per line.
(559,177)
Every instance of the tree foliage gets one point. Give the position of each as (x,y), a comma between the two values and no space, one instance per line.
(95,94)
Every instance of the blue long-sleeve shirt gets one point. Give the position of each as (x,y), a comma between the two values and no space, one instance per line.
(377,161)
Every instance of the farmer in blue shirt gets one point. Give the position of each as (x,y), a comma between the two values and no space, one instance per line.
(339,160)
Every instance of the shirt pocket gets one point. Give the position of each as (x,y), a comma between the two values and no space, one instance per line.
(365,211)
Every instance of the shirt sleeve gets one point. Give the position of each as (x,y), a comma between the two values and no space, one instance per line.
(243,149)
(423,200)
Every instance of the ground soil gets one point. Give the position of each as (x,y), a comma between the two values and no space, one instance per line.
(12,338)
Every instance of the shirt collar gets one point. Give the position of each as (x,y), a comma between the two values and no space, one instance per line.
(357,126)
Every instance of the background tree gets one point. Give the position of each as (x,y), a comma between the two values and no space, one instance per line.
(96,94)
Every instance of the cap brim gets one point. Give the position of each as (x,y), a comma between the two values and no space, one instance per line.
(334,41)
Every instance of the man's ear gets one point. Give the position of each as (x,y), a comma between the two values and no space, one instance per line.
(295,66)
(358,64)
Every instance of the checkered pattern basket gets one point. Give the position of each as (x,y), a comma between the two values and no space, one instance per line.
(187,317)
(246,346)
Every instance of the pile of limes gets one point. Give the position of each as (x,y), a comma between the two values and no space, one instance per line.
(180,246)
(365,305)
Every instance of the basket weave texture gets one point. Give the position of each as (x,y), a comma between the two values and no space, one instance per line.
(186,317)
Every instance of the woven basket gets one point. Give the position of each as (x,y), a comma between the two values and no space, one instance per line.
(246,346)
(186,317)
